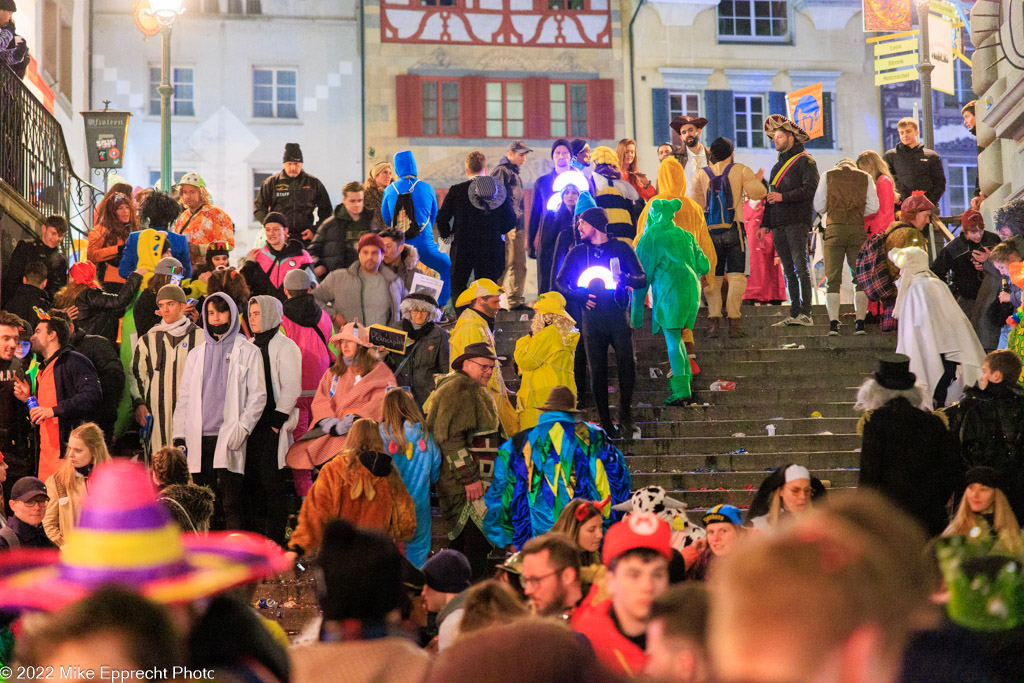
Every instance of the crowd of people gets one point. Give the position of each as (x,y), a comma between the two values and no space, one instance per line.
(187,427)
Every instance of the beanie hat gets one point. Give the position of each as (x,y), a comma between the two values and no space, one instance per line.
(986,476)
(721,149)
(576,146)
(276,217)
(586,201)
(377,168)
(561,142)
(171,293)
(292,152)
(362,573)
(595,217)
(638,530)
(448,572)
(972,220)
(217,249)
(166,266)
(370,239)
(83,273)
(297,280)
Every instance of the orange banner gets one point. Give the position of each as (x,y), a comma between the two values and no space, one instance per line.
(807,109)
(887,15)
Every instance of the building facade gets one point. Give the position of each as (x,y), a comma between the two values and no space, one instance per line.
(249,76)
(997,32)
(447,77)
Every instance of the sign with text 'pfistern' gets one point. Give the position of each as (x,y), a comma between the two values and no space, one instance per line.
(105,133)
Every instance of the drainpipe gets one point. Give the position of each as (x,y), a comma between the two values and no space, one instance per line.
(632,73)
(362,85)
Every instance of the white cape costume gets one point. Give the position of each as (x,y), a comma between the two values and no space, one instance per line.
(932,324)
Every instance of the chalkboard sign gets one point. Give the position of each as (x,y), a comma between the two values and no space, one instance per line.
(388,337)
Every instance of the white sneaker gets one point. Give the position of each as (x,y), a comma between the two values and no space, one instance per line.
(788,320)
(804,320)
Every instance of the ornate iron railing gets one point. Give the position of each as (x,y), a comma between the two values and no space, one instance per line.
(34,159)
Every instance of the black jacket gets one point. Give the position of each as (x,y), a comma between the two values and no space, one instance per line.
(428,356)
(29,536)
(585,255)
(99,312)
(20,51)
(474,227)
(259,281)
(955,266)
(102,353)
(335,243)
(296,198)
(79,393)
(25,253)
(508,173)
(24,302)
(988,425)
(14,424)
(797,187)
(543,188)
(908,456)
(917,168)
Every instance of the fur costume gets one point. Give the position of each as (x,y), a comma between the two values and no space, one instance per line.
(472,328)
(464,422)
(190,505)
(538,471)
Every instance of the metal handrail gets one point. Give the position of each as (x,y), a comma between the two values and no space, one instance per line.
(35,162)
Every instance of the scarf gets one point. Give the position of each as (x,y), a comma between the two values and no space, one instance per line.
(417,332)
(176,329)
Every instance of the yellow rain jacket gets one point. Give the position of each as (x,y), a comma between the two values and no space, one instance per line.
(672,185)
(545,361)
(472,328)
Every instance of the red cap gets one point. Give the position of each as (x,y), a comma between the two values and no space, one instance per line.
(638,530)
(972,219)
(372,239)
(83,273)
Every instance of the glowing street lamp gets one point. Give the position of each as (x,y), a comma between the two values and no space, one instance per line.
(165,12)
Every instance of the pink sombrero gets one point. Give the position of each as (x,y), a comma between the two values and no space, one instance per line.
(126,536)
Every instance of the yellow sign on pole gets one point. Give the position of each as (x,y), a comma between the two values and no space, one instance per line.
(896,47)
(891,36)
(943,9)
(889,77)
(896,62)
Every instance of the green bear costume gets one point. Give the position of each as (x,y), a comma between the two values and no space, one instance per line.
(674,264)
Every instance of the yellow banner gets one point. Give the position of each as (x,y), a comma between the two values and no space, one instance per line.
(895,47)
(895,76)
(896,62)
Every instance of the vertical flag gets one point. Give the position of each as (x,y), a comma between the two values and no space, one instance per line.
(887,15)
(807,109)
(940,39)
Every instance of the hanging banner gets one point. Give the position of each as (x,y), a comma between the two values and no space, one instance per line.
(104,137)
(806,108)
(887,15)
(940,39)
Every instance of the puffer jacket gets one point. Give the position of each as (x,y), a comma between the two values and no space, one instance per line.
(99,311)
(302,318)
(408,265)
(266,268)
(797,188)
(428,356)
(335,243)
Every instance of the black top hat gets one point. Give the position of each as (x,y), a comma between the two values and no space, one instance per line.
(894,372)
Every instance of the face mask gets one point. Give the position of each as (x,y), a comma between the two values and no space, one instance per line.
(219,329)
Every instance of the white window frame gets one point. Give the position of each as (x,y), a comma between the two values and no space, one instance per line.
(752,130)
(967,186)
(752,37)
(683,95)
(506,119)
(275,86)
(154,95)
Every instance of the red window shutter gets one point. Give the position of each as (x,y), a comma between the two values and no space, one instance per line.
(601,109)
(473,106)
(537,105)
(409,106)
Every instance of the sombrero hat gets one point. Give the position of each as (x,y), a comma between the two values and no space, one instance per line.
(777,121)
(126,536)
(478,289)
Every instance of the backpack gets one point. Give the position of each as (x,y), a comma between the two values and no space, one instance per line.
(403,216)
(873,268)
(720,208)
(7,533)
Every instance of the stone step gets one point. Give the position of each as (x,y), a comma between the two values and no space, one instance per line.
(730,444)
(702,383)
(767,397)
(685,481)
(699,501)
(742,462)
(752,411)
(729,427)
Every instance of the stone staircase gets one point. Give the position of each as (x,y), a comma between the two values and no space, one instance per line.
(719,452)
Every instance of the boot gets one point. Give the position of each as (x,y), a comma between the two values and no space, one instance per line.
(712,332)
(736,329)
(692,355)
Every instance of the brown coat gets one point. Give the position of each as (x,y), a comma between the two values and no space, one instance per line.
(741,180)
(64,507)
(347,490)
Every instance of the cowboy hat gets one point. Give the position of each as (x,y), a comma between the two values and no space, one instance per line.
(680,121)
(478,350)
(777,121)
(561,399)
(351,332)
(477,289)
(127,536)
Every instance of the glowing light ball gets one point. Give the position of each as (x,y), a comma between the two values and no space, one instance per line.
(596,273)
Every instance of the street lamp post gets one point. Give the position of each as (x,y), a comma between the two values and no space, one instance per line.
(165,12)
(925,69)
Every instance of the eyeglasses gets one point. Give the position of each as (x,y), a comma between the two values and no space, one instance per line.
(527,581)
(482,366)
(36,502)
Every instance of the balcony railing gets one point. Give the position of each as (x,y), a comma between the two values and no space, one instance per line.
(34,159)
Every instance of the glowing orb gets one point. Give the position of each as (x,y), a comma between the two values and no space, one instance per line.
(596,273)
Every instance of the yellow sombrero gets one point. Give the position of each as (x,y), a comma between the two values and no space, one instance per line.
(478,288)
(126,536)
(552,302)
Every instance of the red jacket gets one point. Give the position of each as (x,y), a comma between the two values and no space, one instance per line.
(616,652)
